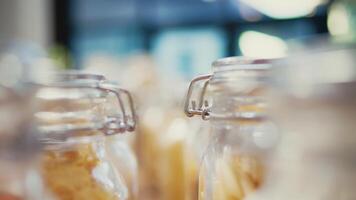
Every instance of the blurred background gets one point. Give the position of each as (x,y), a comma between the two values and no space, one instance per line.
(180,36)
(154,48)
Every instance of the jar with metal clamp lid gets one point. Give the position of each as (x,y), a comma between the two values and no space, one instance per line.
(232,166)
(312,101)
(118,146)
(76,113)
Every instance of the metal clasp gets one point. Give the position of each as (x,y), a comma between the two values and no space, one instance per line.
(203,108)
(128,118)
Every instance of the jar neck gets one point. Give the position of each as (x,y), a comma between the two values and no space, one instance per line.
(101,104)
(69,111)
(243,95)
(238,87)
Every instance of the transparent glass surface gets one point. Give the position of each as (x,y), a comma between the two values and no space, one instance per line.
(233,165)
(312,101)
(81,169)
(19,179)
(121,153)
(18,148)
(77,162)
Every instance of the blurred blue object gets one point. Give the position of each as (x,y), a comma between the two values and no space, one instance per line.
(184,36)
(163,12)
(112,42)
(101,13)
(188,51)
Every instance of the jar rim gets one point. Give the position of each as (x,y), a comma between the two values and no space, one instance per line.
(241,63)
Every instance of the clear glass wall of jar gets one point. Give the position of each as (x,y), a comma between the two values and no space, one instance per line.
(118,146)
(124,159)
(75,116)
(312,101)
(19,147)
(232,166)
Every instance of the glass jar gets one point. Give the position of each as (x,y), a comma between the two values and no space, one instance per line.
(119,146)
(19,146)
(195,146)
(124,159)
(76,113)
(162,135)
(232,166)
(312,102)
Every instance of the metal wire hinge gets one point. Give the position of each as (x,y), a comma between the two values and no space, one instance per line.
(128,122)
(203,108)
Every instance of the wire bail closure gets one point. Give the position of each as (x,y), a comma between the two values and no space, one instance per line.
(128,118)
(203,108)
